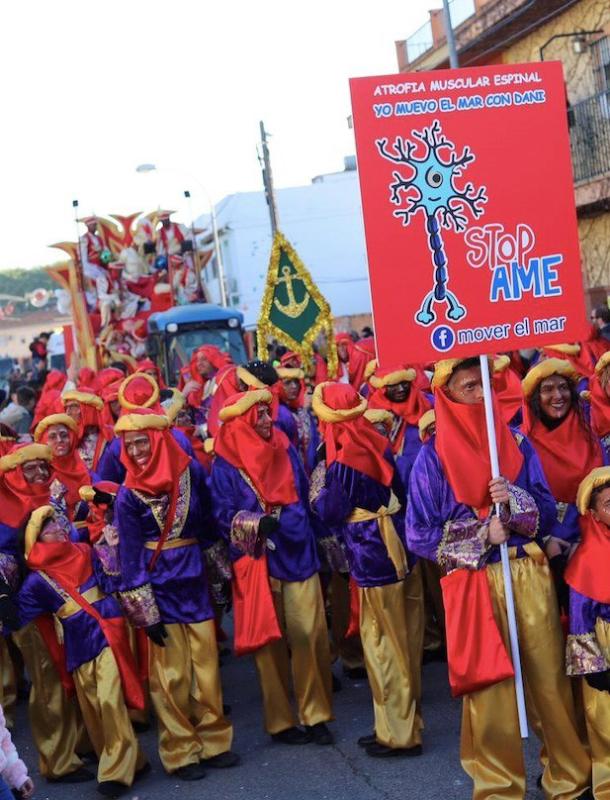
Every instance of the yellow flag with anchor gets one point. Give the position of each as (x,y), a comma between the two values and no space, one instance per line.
(293,309)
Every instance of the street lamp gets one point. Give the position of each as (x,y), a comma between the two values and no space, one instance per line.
(142,168)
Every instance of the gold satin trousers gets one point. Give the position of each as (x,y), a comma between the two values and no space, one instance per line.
(302,650)
(187,696)
(55,721)
(392,629)
(491,747)
(101,700)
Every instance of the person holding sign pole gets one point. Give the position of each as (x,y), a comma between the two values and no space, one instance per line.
(588,648)
(451,520)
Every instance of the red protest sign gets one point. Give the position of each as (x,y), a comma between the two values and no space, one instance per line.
(468,202)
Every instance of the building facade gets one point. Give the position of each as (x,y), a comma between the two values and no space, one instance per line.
(322,221)
(575,32)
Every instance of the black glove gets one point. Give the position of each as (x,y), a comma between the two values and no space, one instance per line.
(267,525)
(8,610)
(599,680)
(157,633)
(558,566)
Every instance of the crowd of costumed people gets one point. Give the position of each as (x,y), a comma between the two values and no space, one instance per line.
(329,526)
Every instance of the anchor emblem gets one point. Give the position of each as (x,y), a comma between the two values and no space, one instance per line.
(293,309)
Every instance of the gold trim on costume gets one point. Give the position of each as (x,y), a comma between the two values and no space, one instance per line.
(568,349)
(31,452)
(584,655)
(71,607)
(147,403)
(171,544)
(501,363)
(141,422)
(140,606)
(317,481)
(86,398)
(595,478)
(327,414)
(245,403)
(159,506)
(546,368)
(54,419)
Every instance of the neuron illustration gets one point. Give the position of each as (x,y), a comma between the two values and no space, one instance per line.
(431,189)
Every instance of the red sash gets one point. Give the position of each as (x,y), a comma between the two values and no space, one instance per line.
(255,620)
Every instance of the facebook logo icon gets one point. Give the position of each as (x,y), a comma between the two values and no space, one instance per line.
(442,338)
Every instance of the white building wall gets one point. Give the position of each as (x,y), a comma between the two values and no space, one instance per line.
(323,222)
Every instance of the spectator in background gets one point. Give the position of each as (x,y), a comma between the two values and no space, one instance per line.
(600,317)
(18,413)
(38,349)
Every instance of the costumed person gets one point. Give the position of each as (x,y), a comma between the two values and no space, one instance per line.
(581,359)
(353,359)
(260,499)
(292,391)
(50,394)
(92,249)
(169,236)
(137,391)
(87,380)
(110,380)
(588,644)
(60,432)
(555,424)
(25,484)
(150,368)
(165,533)
(85,409)
(197,380)
(317,373)
(357,492)
(599,387)
(393,390)
(65,581)
(451,520)
(226,385)
(260,375)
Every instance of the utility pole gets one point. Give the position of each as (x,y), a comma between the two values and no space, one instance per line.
(268,181)
(453,56)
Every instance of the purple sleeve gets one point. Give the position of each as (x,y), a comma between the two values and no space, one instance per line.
(207,530)
(286,423)
(328,496)
(34,598)
(109,467)
(183,441)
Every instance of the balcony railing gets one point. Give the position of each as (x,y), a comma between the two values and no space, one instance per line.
(422,39)
(589,123)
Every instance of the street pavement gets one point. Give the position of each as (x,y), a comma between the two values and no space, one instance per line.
(343,771)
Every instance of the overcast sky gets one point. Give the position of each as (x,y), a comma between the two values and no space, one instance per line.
(92,89)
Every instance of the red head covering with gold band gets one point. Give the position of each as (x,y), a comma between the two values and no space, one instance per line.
(292,374)
(148,366)
(167,461)
(139,390)
(110,381)
(507,387)
(217,360)
(69,469)
(87,380)
(20,498)
(292,360)
(359,355)
(461,442)
(568,451)
(350,439)
(588,570)
(266,462)
(90,405)
(409,410)
(51,392)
